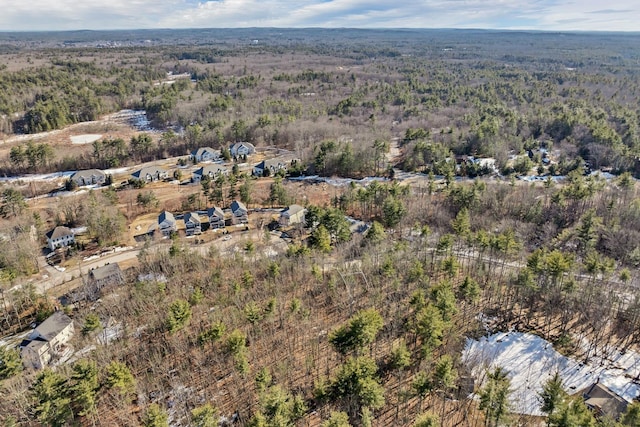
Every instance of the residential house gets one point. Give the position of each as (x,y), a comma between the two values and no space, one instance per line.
(89,177)
(60,237)
(98,279)
(151,173)
(294,214)
(107,275)
(205,154)
(242,149)
(239,213)
(211,170)
(273,165)
(604,402)
(192,223)
(47,341)
(216,218)
(166,223)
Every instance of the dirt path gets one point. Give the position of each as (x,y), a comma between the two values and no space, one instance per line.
(394,153)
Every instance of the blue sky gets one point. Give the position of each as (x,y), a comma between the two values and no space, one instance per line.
(553,15)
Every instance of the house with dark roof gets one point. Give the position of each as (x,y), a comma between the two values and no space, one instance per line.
(603,402)
(89,177)
(211,170)
(272,165)
(60,237)
(151,173)
(216,218)
(47,340)
(239,213)
(192,223)
(205,154)
(294,214)
(242,149)
(166,223)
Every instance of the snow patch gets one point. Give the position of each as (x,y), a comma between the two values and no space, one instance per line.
(85,139)
(531,361)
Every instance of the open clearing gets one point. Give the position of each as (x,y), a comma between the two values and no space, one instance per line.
(531,361)
(85,139)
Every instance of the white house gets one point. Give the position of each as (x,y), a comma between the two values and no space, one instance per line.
(294,214)
(60,237)
(239,213)
(212,171)
(166,223)
(205,154)
(151,173)
(89,177)
(242,149)
(49,339)
(216,218)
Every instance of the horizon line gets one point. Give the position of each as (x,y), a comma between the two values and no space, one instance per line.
(518,30)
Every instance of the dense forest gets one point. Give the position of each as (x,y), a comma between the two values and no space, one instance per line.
(486,95)
(342,328)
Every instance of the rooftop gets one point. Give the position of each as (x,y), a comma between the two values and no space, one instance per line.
(150,170)
(215,211)
(238,205)
(192,217)
(106,271)
(88,173)
(166,216)
(293,209)
(54,324)
(59,231)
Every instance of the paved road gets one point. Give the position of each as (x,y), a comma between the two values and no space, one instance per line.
(52,277)
(225,246)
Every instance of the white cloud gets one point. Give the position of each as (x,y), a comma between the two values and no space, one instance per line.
(114,14)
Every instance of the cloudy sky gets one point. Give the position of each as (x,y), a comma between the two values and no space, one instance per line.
(599,15)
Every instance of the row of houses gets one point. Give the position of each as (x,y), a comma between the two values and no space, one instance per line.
(238,149)
(167,223)
(62,236)
(154,173)
(265,167)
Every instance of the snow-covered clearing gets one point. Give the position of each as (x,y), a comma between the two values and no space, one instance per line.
(38,177)
(85,139)
(531,361)
(339,182)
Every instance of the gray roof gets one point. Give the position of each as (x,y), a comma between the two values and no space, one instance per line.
(192,217)
(149,170)
(293,209)
(35,344)
(215,210)
(601,397)
(200,151)
(272,163)
(238,205)
(210,169)
(237,145)
(59,231)
(106,271)
(88,174)
(54,324)
(166,216)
